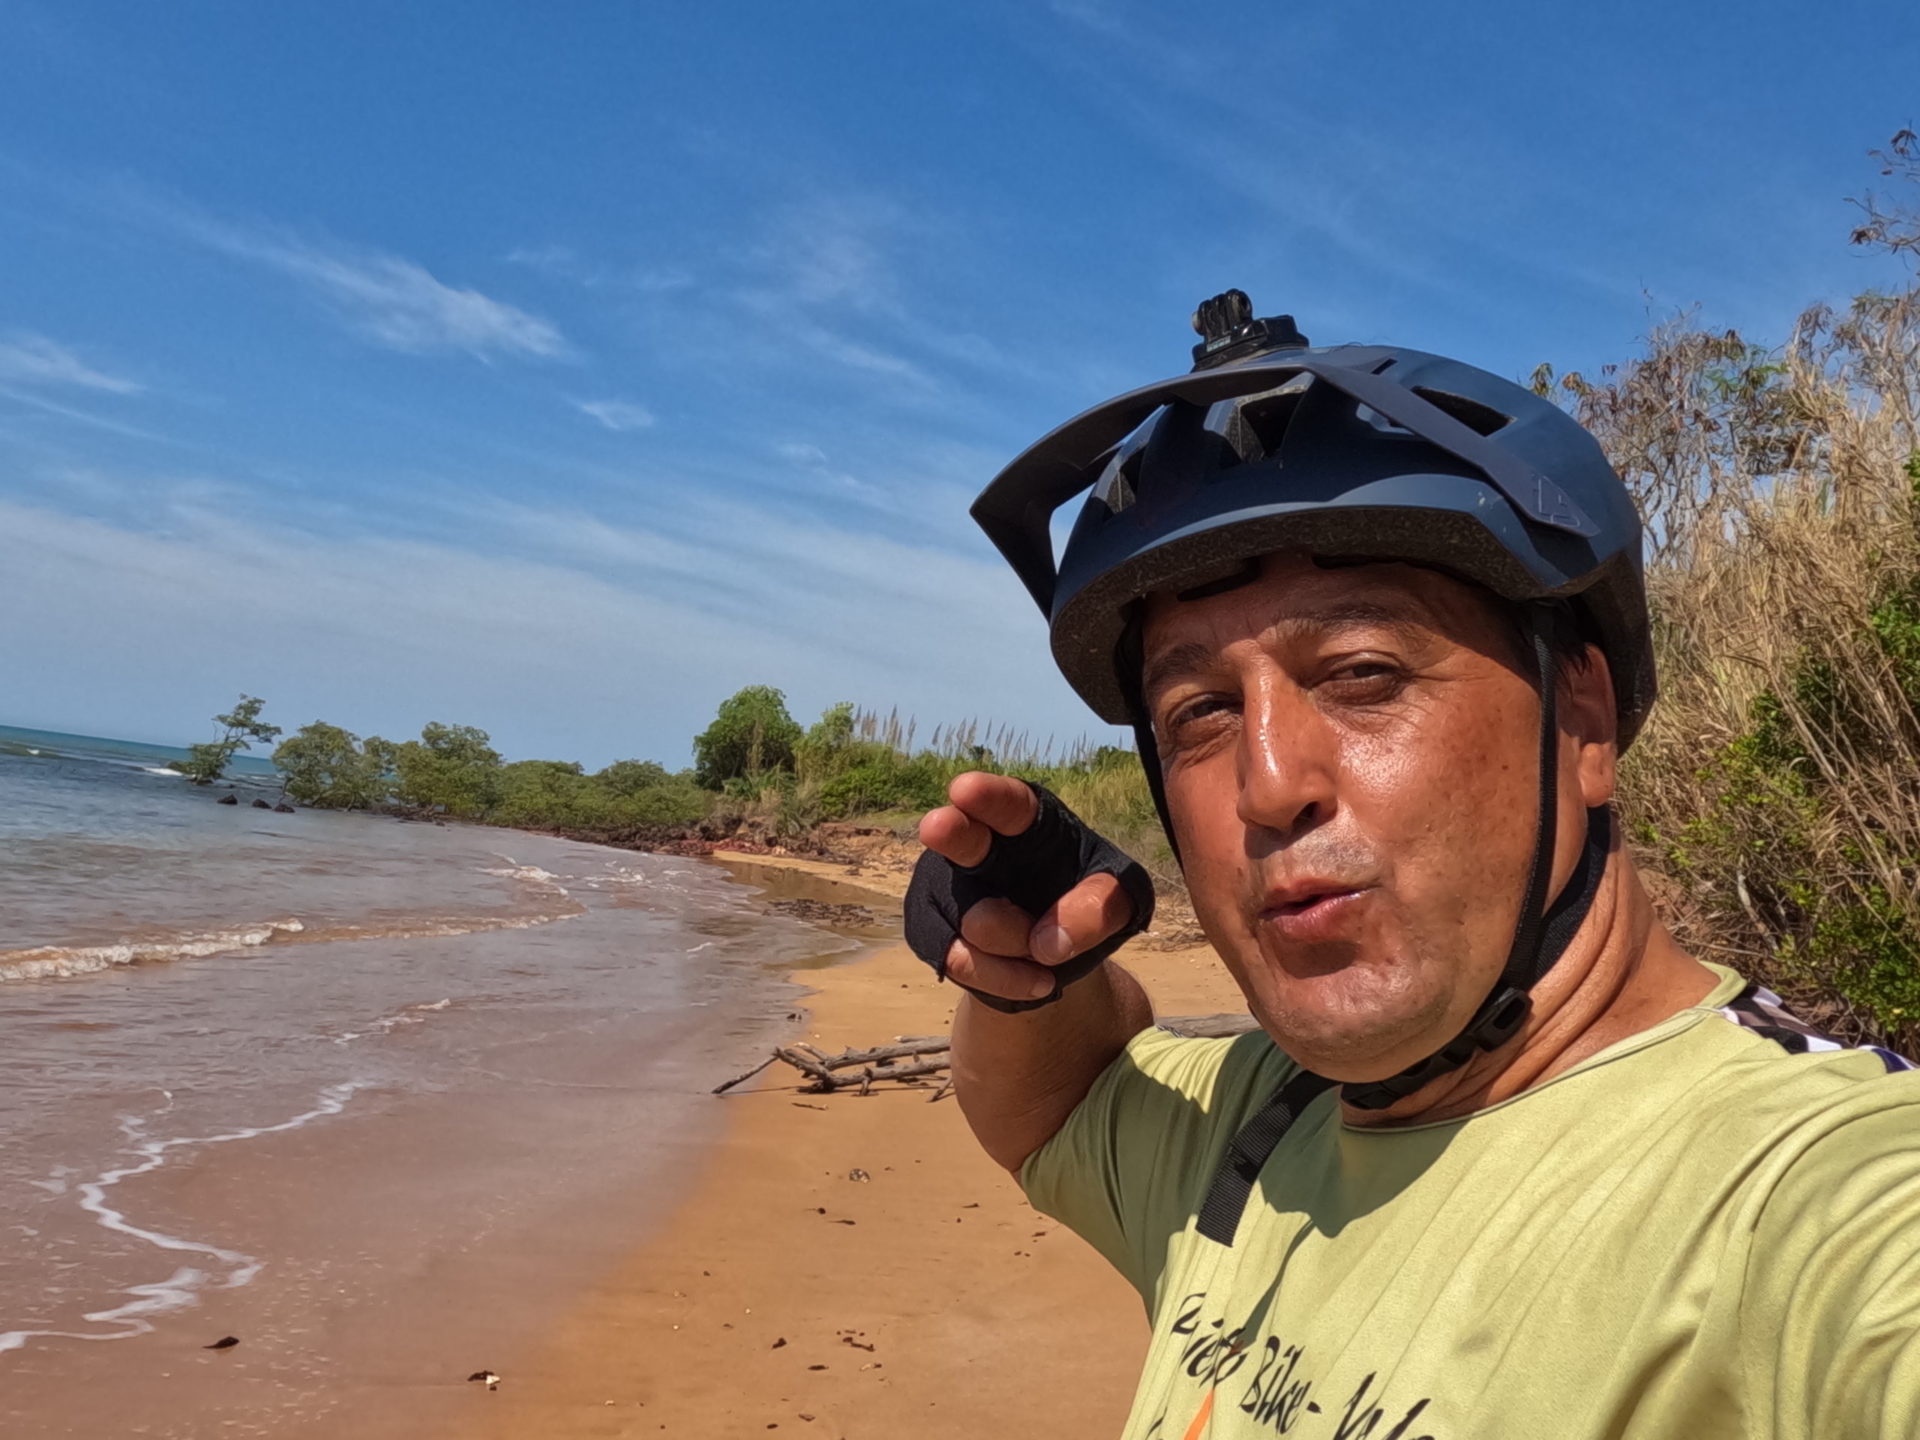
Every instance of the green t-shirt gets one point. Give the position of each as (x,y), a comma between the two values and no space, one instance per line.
(1694,1234)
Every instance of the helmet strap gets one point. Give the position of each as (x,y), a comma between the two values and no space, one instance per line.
(1539,938)
(1149,750)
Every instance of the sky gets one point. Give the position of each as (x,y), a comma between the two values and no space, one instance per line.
(562,369)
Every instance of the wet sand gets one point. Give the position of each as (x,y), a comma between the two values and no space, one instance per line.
(927,1299)
(382,1161)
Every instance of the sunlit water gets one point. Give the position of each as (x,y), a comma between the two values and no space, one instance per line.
(225,1031)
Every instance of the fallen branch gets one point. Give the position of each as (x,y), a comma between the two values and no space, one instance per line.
(722,1089)
(909,1060)
(806,1064)
(922,1045)
(932,1065)
(912,1070)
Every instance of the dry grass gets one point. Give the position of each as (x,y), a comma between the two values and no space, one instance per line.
(1777,785)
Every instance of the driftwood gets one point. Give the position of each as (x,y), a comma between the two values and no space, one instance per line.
(807,1063)
(932,1065)
(748,1075)
(853,1069)
(920,1045)
(912,1058)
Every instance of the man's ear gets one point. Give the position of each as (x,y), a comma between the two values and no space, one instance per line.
(1589,718)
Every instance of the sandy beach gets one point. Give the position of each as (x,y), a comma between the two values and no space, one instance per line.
(847,1266)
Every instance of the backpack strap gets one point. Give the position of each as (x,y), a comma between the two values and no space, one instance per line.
(1252,1144)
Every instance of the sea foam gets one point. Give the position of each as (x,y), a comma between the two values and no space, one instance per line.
(217,1265)
(56,961)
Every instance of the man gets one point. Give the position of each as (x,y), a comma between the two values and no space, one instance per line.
(1501,1160)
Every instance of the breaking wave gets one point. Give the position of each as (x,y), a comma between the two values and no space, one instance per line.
(46,962)
(53,962)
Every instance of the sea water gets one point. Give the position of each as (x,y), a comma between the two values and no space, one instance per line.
(366,1093)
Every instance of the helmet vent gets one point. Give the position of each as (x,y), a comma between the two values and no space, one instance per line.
(1115,488)
(1259,425)
(1380,422)
(1481,419)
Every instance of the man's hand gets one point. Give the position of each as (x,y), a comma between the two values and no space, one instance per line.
(1003,948)
(1013,899)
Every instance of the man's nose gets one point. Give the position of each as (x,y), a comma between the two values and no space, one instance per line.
(1287,766)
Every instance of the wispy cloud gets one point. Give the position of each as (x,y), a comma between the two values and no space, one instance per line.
(563,262)
(800,452)
(32,400)
(826,477)
(392,301)
(858,354)
(1376,204)
(836,251)
(628,636)
(618,415)
(1095,16)
(825,278)
(35,360)
(833,275)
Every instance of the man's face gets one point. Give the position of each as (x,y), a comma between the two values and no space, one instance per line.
(1350,762)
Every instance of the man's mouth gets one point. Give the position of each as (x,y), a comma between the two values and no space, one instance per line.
(1303,915)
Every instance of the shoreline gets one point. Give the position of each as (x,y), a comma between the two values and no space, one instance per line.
(503,1145)
(820,1226)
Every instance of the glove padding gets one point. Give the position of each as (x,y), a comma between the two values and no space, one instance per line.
(1033,870)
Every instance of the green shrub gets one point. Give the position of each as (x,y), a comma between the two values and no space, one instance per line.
(751,733)
(886,781)
(328,768)
(453,768)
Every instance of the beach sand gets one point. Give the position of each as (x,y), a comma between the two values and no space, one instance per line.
(787,1293)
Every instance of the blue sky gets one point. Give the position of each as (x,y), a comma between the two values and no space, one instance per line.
(562,369)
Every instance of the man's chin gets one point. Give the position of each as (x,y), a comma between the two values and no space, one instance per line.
(1349,1060)
(1353,1046)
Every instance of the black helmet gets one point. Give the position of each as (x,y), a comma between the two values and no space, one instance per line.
(1365,452)
(1349,450)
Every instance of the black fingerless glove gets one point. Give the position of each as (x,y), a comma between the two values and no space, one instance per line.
(1032,869)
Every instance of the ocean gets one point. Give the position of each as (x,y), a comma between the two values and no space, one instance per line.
(372,1096)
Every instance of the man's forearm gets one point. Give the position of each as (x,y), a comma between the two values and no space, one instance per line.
(1018,1077)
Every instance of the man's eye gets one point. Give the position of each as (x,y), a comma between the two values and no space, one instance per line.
(1366,678)
(1195,710)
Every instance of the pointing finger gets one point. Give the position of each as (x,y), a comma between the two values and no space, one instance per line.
(947,831)
(1003,803)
